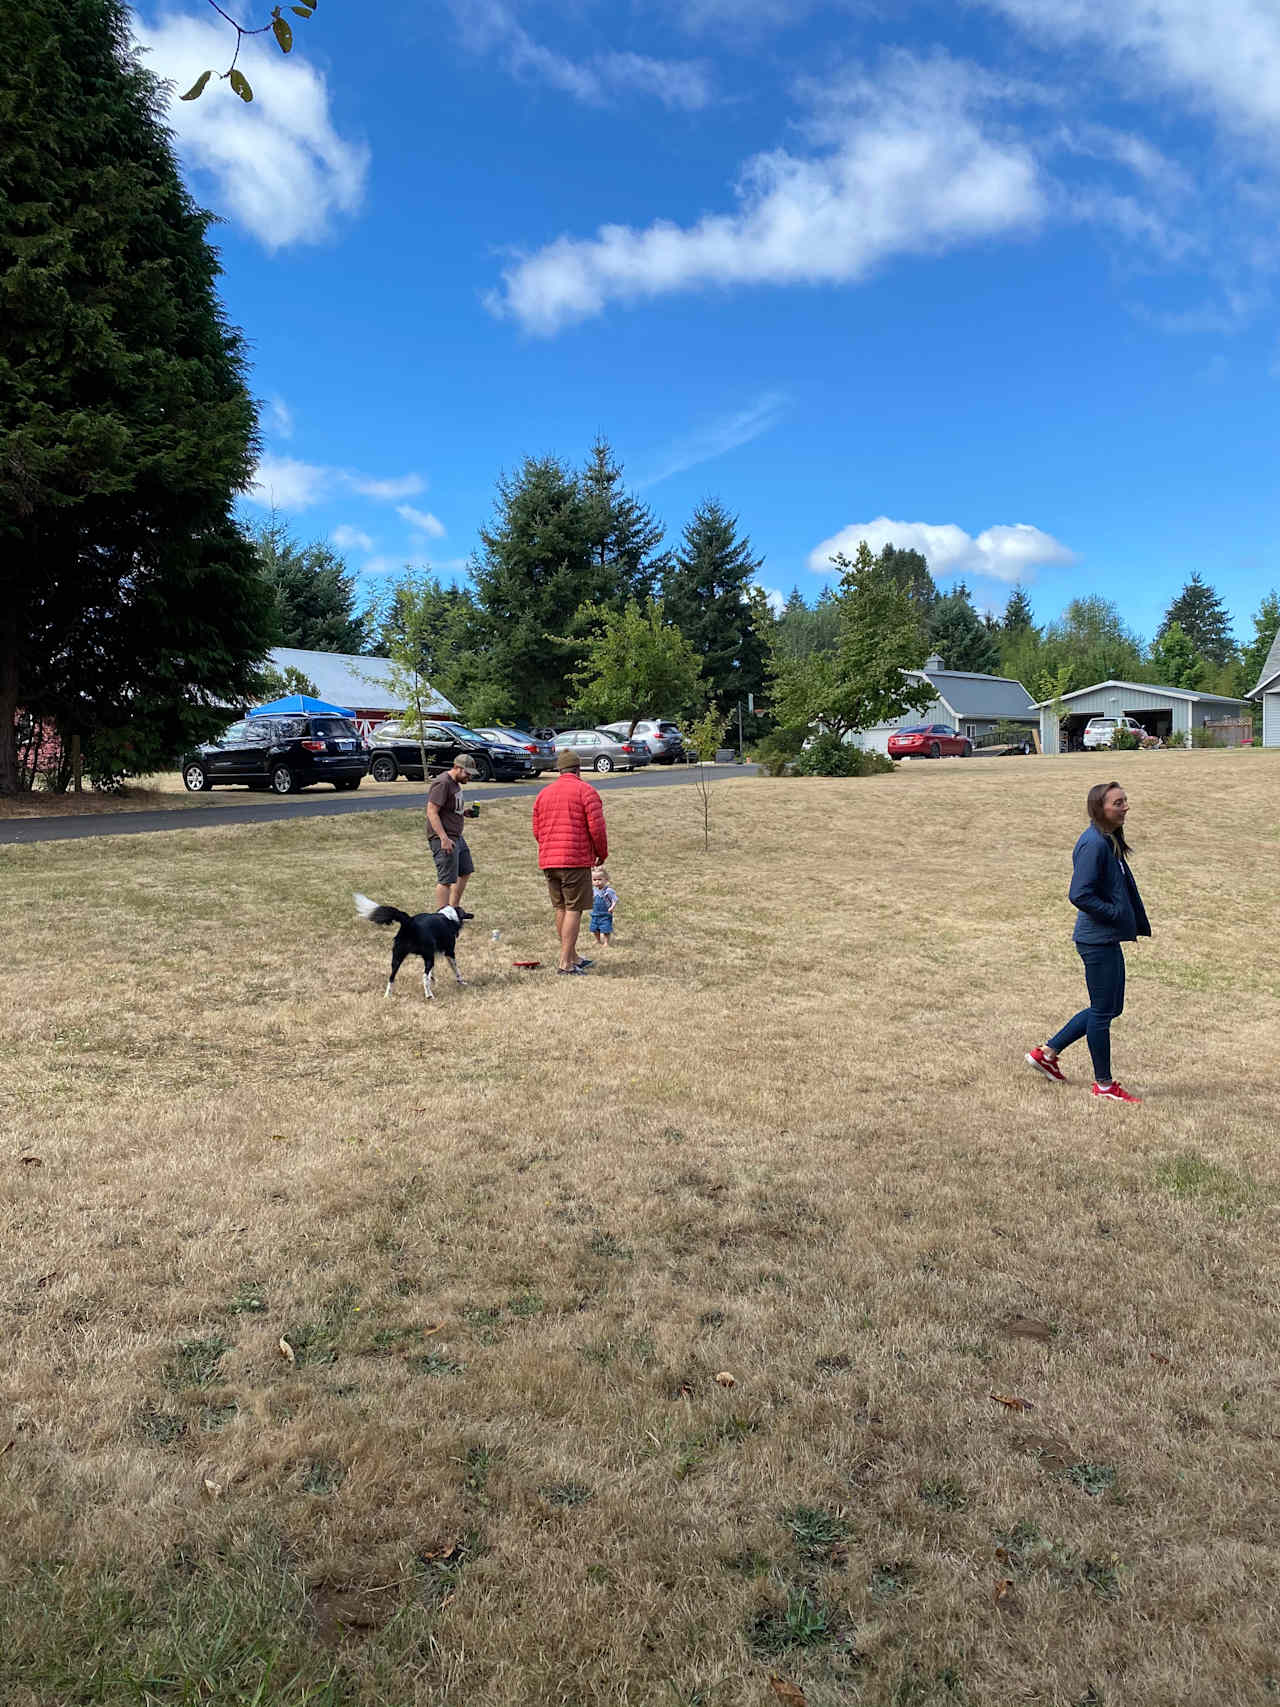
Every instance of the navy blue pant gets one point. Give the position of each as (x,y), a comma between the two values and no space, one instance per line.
(1104,980)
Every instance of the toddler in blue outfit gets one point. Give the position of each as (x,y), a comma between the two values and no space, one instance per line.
(604,898)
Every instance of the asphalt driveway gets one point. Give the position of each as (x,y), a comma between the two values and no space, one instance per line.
(321,804)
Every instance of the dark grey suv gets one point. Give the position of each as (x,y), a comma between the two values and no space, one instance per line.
(280,753)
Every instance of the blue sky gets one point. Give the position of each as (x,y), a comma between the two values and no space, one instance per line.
(993,279)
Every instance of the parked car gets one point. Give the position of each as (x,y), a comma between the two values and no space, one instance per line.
(542,755)
(280,753)
(929,741)
(1098,731)
(601,750)
(396,751)
(663,739)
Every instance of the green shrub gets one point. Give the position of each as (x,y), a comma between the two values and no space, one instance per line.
(830,756)
(1124,740)
(1203,738)
(1177,739)
(778,749)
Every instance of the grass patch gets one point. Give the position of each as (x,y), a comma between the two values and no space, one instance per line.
(868,1246)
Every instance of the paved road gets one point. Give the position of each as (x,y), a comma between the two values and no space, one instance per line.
(317,805)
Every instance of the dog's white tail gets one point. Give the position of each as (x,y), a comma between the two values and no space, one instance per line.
(365,907)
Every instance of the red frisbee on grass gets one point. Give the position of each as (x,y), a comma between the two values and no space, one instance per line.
(526,965)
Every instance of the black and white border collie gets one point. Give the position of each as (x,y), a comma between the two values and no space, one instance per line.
(425,934)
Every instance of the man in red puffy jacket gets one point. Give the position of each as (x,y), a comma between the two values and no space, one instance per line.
(568,821)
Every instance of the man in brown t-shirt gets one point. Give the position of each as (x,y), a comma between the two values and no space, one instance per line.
(444,833)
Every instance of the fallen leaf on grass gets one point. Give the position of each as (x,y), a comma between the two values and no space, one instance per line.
(213,1489)
(790,1693)
(7,1447)
(724,1379)
(31,1161)
(1027,1328)
(1164,1362)
(1011,1402)
(287,1351)
(44,1279)
(1005,1600)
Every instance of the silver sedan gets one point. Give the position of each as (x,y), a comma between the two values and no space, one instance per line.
(600,750)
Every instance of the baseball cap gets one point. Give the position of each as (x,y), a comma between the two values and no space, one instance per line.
(464,762)
(568,760)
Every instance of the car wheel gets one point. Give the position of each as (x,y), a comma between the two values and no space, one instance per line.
(935,751)
(282,780)
(383,768)
(1025,749)
(966,752)
(484,767)
(195,779)
(604,763)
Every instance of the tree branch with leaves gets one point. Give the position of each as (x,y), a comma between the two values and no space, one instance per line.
(276,25)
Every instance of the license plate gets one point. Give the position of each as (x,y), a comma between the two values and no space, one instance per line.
(345,746)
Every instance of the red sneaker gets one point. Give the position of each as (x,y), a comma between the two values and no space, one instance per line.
(1114,1093)
(1046,1064)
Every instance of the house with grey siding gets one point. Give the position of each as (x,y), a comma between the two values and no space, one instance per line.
(974,704)
(1268,691)
(1161,711)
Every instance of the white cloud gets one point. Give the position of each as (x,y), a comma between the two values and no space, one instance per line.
(281,417)
(1008,552)
(777,600)
(488,26)
(351,539)
(909,171)
(283,483)
(279,165)
(405,486)
(717,437)
(423,520)
(1224,55)
(381,566)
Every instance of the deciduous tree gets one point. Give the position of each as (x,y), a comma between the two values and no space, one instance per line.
(637,665)
(1173,660)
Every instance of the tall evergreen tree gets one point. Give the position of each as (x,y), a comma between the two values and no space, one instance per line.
(1018,615)
(910,569)
(708,595)
(959,636)
(537,569)
(133,600)
(1203,618)
(1266,624)
(313,590)
(624,535)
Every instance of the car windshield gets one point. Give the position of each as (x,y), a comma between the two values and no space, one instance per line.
(915,729)
(460,732)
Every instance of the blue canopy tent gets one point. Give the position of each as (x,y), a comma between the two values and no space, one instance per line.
(300,705)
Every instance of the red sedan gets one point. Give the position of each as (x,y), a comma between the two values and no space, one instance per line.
(929,741)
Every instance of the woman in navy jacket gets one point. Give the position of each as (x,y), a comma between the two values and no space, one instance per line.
(1109,912)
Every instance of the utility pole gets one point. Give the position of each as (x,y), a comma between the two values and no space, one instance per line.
(739,731)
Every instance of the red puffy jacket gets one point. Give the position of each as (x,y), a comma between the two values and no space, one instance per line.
(568,821)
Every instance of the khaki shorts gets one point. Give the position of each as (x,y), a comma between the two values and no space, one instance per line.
(570,887)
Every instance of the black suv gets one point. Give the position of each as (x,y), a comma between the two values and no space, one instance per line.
(280,753)
(394,752)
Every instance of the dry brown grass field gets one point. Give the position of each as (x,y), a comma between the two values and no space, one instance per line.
(512,1239)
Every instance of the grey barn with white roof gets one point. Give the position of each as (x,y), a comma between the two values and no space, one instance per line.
(1161,711)
(1267,690)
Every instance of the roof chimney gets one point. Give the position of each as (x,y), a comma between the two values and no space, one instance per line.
(933,662)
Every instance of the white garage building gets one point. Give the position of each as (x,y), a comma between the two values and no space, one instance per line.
(1160,711)
(1268,691)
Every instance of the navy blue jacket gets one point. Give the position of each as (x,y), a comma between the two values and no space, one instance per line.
(1102,887)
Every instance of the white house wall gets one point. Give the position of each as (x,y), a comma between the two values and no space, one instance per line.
(877,739)
(1271,719)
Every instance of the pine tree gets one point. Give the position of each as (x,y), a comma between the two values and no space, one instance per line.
(707,593)
(133,601)
(1018,615)
(536,571)
(313,590)
(1203,618)
(623,534)
(911,571)
(959,636)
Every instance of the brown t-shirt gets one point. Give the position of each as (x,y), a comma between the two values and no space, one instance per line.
(446,796)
